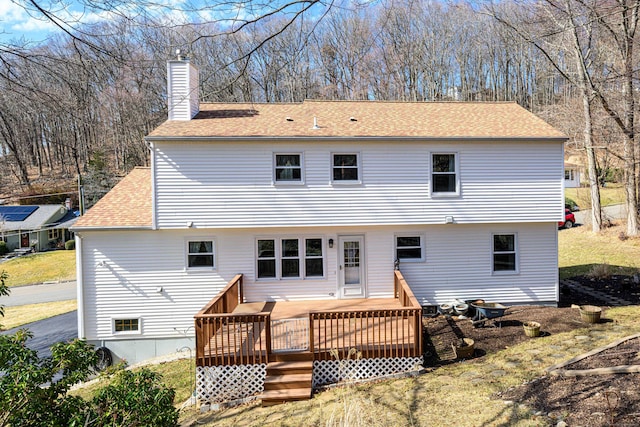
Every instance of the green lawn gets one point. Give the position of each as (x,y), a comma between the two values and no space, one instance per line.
(613,194)
(580,251)
(41,267)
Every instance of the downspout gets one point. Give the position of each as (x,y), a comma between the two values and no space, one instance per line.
(79,286)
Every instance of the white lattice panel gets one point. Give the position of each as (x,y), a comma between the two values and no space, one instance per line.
(217,384)
(333,371)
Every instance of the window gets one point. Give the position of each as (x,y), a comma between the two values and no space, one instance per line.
(290,258)
(288,168)
(444,174)
(345,167)
(200,254)
(313,262)
(126,325)
(568,175)
(504,253)
(410,248)
(53,233)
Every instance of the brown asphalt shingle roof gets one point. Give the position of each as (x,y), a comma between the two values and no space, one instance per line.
(372,119)
(127,205)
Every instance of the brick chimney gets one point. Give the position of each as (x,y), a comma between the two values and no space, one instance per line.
(182,89)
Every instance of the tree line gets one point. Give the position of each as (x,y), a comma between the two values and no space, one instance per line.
(97,90)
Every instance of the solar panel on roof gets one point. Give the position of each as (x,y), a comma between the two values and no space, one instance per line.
(16,213)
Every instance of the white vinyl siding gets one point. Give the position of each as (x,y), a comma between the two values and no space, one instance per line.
(230,185)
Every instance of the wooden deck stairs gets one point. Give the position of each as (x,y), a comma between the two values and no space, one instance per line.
(289,378)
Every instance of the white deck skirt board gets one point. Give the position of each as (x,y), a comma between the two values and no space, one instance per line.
(458,265)
(228,190)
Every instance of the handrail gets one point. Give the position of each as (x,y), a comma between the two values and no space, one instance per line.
(403,292)
(227,299)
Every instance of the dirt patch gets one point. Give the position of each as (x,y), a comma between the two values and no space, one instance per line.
(589,401)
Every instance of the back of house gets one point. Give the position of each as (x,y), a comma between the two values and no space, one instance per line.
(315,201)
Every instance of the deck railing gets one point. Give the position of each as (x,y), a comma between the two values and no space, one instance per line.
(373,333)
(223,338)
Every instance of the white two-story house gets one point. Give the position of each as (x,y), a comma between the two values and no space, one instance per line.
(316,203)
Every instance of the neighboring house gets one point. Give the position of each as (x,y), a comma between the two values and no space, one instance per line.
(37,227)
(308,207)
(571,175)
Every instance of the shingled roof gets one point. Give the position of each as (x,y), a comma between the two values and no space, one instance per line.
(127,205)
(364,119)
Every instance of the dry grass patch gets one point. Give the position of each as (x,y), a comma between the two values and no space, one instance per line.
(457,394)
(41,267)
(21,315)
(611,195)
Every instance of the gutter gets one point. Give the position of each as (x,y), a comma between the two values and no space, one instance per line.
(354,138)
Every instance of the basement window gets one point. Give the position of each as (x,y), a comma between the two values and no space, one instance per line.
(131,325)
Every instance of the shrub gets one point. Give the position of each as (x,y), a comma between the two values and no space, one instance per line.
(600,271)
(570,204)
(133,399)
(70,245)
(3,248)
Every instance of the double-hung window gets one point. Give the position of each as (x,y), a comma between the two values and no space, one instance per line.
(290,258)
(345,167)
(288,168)
(444,174)
(505,253)
(200,254)
(410,248)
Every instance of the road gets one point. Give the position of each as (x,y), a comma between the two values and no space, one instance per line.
(613,212)
(34,294)
(50,331)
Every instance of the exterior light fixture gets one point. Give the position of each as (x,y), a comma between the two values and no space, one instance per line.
(331,243)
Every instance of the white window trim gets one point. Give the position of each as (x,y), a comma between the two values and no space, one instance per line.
(423,247)
(186,254)
(113,325)
(301,257)
(274,166)
(444,194)
(516,250)
(358,165)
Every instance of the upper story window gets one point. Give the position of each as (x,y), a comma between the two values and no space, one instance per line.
(505,253)
(345,168)
(410,248)
(444,173)
(288,168)
(200,254)
(290,257)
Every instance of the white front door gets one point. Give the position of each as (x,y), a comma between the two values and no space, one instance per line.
(351,281)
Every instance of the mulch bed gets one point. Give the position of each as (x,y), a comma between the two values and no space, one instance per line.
(595,400)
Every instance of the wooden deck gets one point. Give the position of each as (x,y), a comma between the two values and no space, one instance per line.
(230,332)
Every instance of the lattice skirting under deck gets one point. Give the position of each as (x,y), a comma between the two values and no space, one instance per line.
(218,384)
(333,371)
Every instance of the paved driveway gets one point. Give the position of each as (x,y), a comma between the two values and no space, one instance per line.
(50,331)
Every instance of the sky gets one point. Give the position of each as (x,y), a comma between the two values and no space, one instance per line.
(20,21)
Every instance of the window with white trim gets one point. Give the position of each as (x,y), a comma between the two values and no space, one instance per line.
(410,248)
(444,174)
(345,167)
(288,168)
(200,254)
(505,253)
(568,174)
(53,233)
(290,257)
(126,325)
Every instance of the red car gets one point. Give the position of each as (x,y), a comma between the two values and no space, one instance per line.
(569,219)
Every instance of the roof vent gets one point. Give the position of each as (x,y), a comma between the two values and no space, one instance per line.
(353,119)
(315,123)
(289,119)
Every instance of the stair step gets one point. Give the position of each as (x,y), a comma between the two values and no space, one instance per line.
(276,397)
(294,367)
(288,381)
(291,357)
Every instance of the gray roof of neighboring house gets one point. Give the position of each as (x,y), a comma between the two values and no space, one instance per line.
(42,217)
